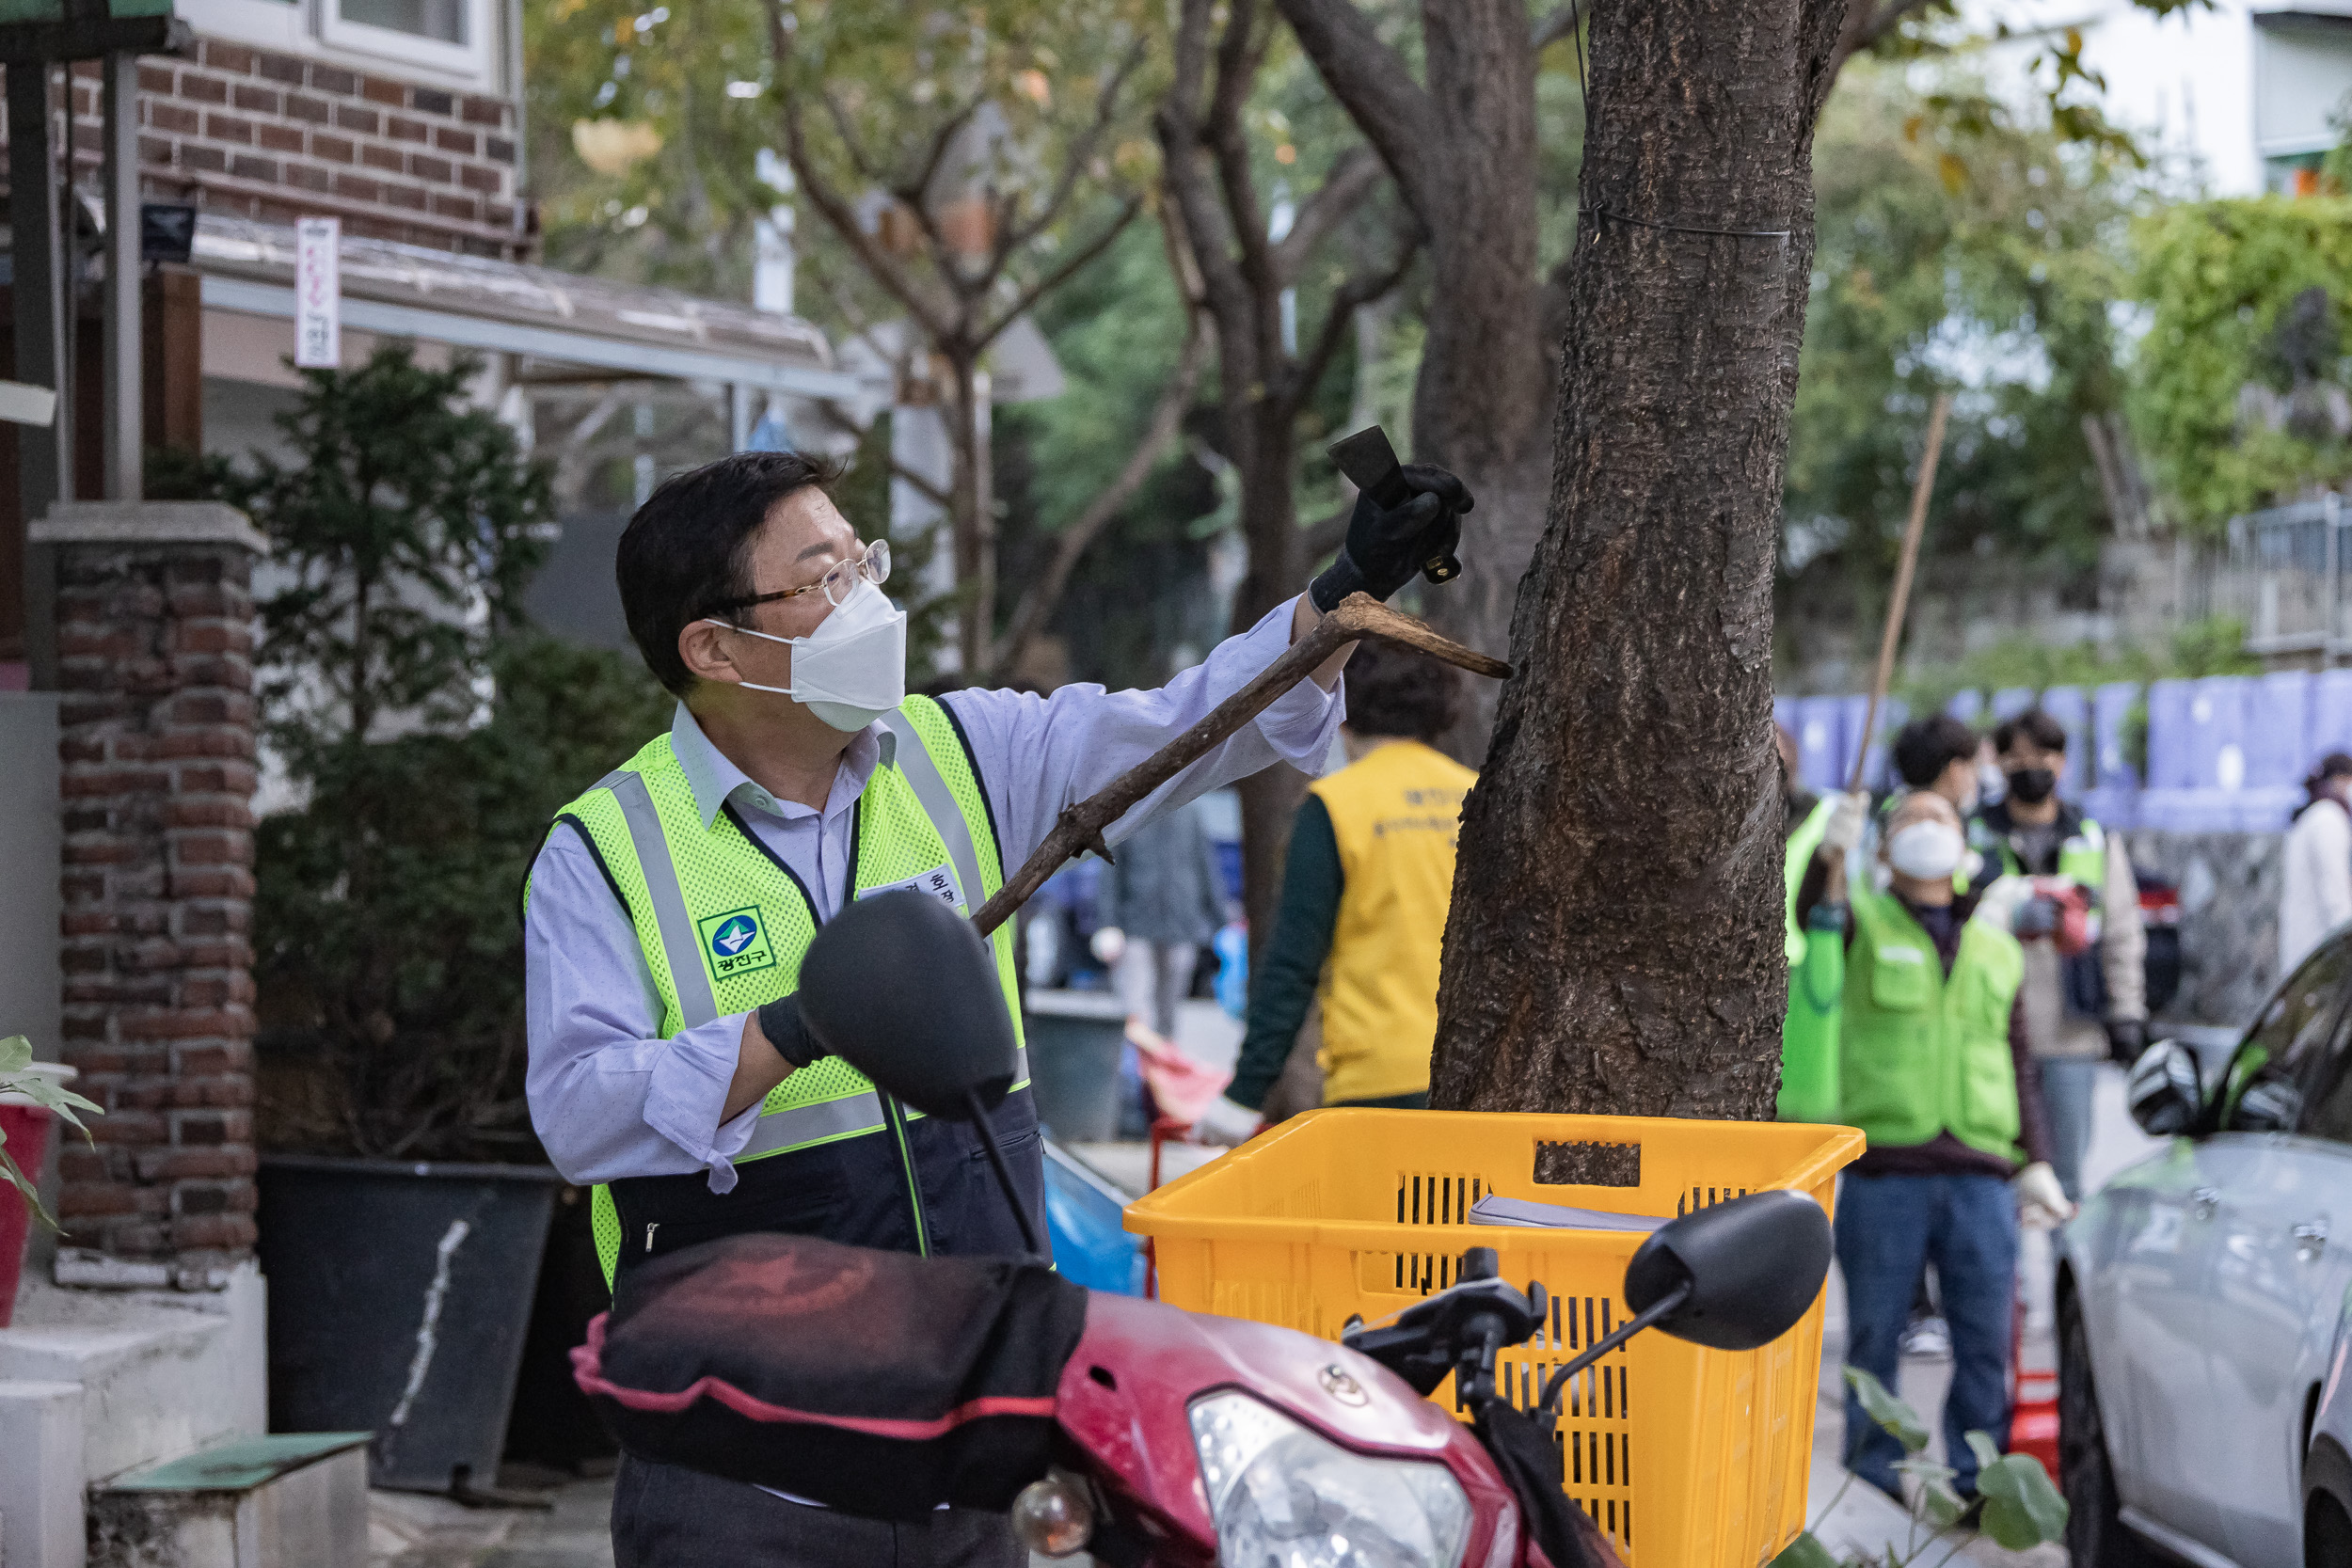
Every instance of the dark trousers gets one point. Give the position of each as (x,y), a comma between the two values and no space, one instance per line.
(667,1517)
(1889,1227)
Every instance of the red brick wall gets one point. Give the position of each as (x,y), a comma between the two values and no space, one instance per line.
(156,737)
(264,135)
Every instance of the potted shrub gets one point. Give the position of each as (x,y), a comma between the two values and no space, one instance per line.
(428,737)
(32,1096)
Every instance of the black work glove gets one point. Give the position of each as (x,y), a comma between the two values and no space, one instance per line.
(2126,1038)
(1386,545)
(790,1033)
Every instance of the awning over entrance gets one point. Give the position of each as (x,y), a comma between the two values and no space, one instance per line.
(554,318)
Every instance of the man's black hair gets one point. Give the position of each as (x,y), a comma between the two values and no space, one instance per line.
(687,549)
(1925,747)
(2036,727)
(1393,690)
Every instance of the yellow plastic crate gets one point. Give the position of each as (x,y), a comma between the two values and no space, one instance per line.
(1687,1457)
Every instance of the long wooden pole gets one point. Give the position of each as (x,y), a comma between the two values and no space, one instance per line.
(1903,568)
(1080,827)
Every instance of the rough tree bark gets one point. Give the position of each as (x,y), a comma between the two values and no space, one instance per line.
(1217,220)
(1615,941)
(1461,144)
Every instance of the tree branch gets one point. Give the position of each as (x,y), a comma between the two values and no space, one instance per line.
(1081,154)
(1375,86)
(1353,295)
(840,117)
(1044,593)
(921,484)
(1200,220)
(1236,72)
(1865,24)
(827,201)
(1351,179)
(1069,267)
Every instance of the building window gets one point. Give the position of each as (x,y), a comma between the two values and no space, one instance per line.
(444,20)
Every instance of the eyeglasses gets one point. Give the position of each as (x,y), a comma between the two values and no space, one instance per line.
(873,566)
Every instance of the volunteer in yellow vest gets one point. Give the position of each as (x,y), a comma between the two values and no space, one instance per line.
(1364,898)
(669,904)
(1935,1068)
(1822,829)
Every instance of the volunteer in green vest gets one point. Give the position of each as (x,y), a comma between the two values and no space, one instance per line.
(1934,1067)
(2083,1003)
(1822,829)
(1365,892)
(669,906)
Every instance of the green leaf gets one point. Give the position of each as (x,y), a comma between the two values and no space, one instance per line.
(16,1053)
(1806,1551)
(1888,1410)
(1943,1505)
(32,1199)
(2021,1505)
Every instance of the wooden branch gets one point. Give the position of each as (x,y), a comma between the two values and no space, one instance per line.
(1921,489)
(1081,826)
(1044,591)
(1352,178)
(1375,86)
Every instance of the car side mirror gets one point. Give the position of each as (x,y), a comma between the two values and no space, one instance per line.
(903,988)
(2165,1091)
(1750,1267)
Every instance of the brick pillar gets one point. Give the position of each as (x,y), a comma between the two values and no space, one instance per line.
(155,734)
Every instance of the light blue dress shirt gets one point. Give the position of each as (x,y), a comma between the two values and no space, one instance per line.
(610,1099)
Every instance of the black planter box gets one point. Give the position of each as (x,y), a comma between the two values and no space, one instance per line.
(399,1295)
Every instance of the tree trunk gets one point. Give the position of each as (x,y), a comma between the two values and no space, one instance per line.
(1615,943)
(971,513)
(1463,152)
(1269,522)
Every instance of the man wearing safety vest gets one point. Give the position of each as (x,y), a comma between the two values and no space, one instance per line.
(2086,983)
(1935,1068)
(1365,893)
(1822,831)
(669,904)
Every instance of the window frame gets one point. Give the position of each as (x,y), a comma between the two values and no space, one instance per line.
(472,58)
(2336,949)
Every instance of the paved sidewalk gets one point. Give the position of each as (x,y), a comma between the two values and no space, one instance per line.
(409,1530)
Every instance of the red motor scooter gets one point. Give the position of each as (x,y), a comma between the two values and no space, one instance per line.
(891,1384)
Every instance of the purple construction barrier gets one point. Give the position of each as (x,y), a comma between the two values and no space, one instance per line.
(2330,728)
(2110,705)
(2278,720)
(2071,708)
(1818,736)
(2011,701)
(1966,706)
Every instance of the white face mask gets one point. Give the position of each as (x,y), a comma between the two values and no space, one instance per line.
(852,669)
(1926,851)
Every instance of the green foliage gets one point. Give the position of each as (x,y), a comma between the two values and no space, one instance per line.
(387,947)
(409,526)
(17,1078)
(2213,645)
(1984,254)
(2216,278)
(2020,1506)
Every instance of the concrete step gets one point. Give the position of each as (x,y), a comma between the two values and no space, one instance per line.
(288,1500)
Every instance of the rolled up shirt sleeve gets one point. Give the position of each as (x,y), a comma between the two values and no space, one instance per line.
(608,1098)
(1037,754)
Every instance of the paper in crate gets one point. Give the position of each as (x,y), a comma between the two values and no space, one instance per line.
(1686,1457)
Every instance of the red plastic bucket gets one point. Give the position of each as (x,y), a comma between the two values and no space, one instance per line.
(26,1129)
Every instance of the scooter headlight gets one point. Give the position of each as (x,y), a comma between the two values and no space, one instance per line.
(1282,1494)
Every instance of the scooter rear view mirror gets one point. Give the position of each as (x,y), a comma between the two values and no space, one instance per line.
(1733,1276)
(1744,1271)
(900,987)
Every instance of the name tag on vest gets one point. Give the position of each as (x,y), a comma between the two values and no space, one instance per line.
(938,882)
(1901,955)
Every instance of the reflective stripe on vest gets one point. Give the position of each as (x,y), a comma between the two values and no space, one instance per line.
(695,1003)
(1799,859)
(914,759)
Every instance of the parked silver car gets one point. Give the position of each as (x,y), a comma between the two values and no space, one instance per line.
(2200,1303)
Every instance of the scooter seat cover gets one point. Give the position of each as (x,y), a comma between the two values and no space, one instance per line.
(879,1382)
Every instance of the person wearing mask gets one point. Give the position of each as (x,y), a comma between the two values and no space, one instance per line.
(1365,892)
(2316,885)
(1936,1068)
(2090,1003)
(1821,831)
(669,906)
(1163,899)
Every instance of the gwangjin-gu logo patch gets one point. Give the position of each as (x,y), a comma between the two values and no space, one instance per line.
(734,942)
